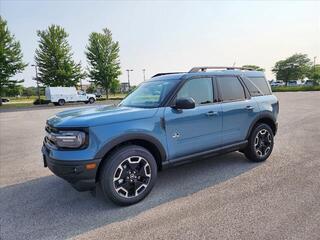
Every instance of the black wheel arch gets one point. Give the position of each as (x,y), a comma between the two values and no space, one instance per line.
(153,145)
(266,118)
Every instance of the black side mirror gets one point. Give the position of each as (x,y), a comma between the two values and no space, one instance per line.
(184,103)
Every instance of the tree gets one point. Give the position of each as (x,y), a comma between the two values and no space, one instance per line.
(292,68)
(314,73)
(10,59)
(103,59)
(54,59)
(91,89)
(254,67)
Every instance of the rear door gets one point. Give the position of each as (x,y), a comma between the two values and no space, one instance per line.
(198,129)
(238,109)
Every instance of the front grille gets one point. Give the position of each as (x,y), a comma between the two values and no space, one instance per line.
(50,129)
(48,139)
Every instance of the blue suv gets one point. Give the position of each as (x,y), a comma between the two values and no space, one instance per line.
(168,120)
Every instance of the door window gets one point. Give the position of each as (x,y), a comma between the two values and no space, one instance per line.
(231,88)
(200,89)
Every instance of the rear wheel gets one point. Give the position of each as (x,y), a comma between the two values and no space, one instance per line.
(128,175)
(61,102)
(260,143)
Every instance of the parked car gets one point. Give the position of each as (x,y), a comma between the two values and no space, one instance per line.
(98,95)
(277,84)
(168,120)
(60,95)
(5,100)
(309,83)
(293,83)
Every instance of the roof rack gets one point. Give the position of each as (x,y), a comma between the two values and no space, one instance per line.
(168,73)
(204,69)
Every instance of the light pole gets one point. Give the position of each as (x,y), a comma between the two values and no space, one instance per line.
(129,70)
(144,74)
(314,68)
(37,79)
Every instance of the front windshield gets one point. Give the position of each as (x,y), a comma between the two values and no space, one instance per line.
(149,94)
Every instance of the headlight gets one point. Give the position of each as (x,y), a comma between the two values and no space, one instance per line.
(68,139)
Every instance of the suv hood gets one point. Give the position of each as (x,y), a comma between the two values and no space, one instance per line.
(94,116)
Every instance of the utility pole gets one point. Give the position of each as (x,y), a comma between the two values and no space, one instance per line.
(144,74)
(129,70)
(37,79)
(314,68)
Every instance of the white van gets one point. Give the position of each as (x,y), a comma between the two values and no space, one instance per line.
(61,95)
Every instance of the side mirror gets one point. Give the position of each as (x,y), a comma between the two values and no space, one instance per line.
(184,103)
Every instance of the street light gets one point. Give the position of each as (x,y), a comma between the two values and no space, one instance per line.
(144,74)
(314,68)
(129,70)
(37,79)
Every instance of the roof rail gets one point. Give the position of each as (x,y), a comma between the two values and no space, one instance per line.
(204,69)
(161,74)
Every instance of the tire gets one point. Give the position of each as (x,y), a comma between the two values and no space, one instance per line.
(61,102)
(260,143)
(128,175)
(91,100)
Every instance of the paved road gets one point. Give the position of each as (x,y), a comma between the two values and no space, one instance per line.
(222,198)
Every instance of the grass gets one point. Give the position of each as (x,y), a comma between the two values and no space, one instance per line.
(295,89)
(16,105)
(22,102)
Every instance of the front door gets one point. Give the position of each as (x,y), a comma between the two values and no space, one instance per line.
(198,129)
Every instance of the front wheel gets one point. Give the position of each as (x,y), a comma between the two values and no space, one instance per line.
(128,175)
(260,143)
(91,100)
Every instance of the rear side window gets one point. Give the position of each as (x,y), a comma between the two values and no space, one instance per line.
(261,84)
(231,88)
(253,89)
(199,89)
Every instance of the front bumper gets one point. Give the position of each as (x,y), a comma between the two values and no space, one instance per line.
(74,172)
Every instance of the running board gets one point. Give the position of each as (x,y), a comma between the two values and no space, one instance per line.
(205,154)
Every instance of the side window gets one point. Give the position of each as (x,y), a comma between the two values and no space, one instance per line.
(200,89)
(262,84)
(253,89)
(231,88)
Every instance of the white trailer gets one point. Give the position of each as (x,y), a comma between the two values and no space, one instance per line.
(61,95)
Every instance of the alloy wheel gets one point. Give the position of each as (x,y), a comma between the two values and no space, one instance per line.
(132,176)
(263,142)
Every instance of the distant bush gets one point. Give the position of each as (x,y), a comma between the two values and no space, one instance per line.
(42,101)
(295,89)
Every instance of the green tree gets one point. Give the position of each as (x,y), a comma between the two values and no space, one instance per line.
(254,67)
(292,68)
(103,59)
(91,89)
(314,73)
(10,59)
(54,59)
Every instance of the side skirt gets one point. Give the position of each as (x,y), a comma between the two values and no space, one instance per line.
(205,154)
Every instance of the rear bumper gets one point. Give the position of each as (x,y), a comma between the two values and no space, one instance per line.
(74,172)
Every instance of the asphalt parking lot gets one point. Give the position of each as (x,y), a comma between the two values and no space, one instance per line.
(226,197)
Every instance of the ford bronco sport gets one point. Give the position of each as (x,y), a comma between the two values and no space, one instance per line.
(168,120)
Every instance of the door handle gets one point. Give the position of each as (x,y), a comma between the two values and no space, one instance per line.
(211,113)
(249,107)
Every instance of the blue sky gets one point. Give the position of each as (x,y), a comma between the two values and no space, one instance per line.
(163,36)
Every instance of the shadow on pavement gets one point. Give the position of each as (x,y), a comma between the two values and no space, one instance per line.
(49,208)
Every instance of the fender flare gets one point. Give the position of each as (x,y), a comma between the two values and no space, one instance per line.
(132,136)
(263,115)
